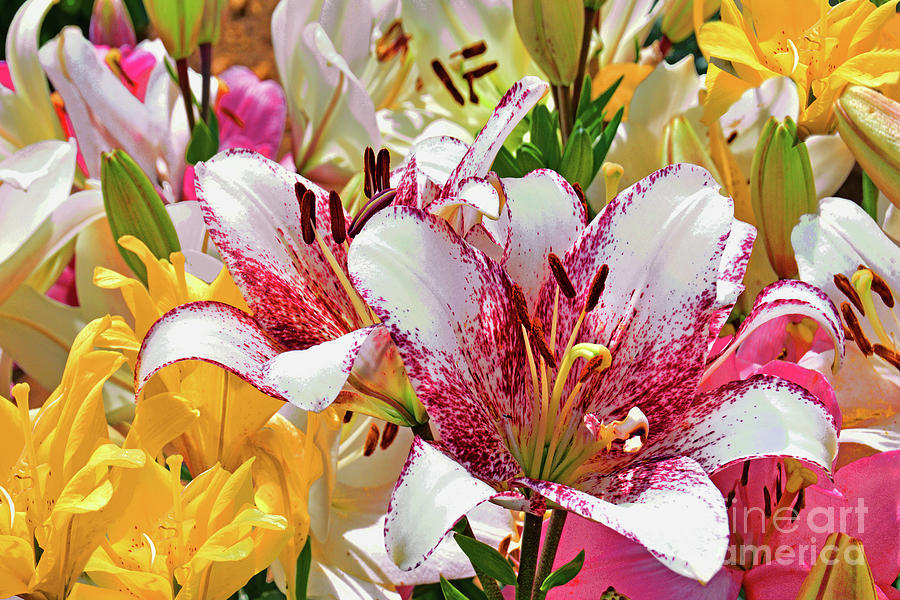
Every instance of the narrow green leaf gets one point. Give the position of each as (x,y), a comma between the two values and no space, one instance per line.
(134,208)
(543,135)
(564,574)
(584,100)
(450,592)
(578,161)
(505,164)
(603,99)
(529,158)
(487,559)
(203,145)
(602,143)
(303,564)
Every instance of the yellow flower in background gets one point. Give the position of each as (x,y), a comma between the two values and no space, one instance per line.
(212,410)
(56,474)
(819,47)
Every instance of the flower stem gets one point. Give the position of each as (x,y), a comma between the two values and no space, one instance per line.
(560,96)
(423,430)
(589,16)
(206,72)
(531,543)
(548,553)
(488,584)
(185,85)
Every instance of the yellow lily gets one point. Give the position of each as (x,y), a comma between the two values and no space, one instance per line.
(56,475)
(819,47)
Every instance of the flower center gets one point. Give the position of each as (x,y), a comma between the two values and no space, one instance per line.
(860,290)
(560,438)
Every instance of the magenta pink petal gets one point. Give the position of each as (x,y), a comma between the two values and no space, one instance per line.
(251,113)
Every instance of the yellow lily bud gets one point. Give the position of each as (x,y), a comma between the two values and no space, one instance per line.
(841,571)
(111,24)
(211,22)
(782,189)
(869,123)
(681,144)
(177,22)
(552,31)
(679,17)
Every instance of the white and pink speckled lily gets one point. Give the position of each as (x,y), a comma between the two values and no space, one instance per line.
(518,415)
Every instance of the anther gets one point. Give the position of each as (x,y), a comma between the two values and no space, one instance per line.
(480,71)
(383,170)
(388,435)
(380,201)
(348,416)
(537,330)
(768,502)
(778,488)
(562,278)
(880,287)
(729,499)
(865,346)
(589,368)
(887,354)
(745,473)
(475,49)
(371,440)
(843,284)
(336,214)
(232,115)
(308,216)
(596,289)
(442,74)
(518,299)
(369,172)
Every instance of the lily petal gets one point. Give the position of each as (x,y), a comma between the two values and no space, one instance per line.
(449,310)
(251,209)
(433,479)
(639,504)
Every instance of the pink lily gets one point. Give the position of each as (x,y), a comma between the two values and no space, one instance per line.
(485,370)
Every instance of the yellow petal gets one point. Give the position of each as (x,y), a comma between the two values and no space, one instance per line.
(158,420)
(724,90)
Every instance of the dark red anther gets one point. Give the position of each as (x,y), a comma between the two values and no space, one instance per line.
(887,354)
(745,473)
(880,287)
(383,170)
(767,502)
(471,50)
(369,172)
(308,216)
(388,435)
(843,283)
(371,440)
(597,286)
(521,306)
(444,76)
(480,71)
(348,416)
(562,278)
(336,214)
(589,368)
(865,346)
(537,331)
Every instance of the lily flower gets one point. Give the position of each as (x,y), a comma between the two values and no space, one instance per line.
(311,334)
(843,251)
(621,437)
(820,47)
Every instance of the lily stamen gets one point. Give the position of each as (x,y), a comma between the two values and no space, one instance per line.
(864,282)
(336,214)
(843,284)
(865,346)
(444,78)
(562,278)
(479,47)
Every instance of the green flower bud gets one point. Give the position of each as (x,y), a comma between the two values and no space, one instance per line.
(678,17)
(869,123)
(211,22)
(782,189)
(134,208)
(177,22)
(682,145)
(552,30)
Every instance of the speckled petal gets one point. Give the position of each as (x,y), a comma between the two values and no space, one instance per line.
(251,209)
(664,240)
(432,493)
(514,105)
(449,310)
(428,165)
(545,216)
(670,507)
(789,297)
(760,416)
(731,273)
(226,336)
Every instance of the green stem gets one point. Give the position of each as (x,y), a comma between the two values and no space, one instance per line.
(562,105)
(589,16)
(531,543)
(184,83)
(870,196)
(488,584)
(206,72)
(548,553)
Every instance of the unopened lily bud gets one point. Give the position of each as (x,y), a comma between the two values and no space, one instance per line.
(552,31)
(678,20)
(681,144)
(841,571)
(133,207)
(869,123)
(782,189)
(111,24)
(177,23)
(211,22)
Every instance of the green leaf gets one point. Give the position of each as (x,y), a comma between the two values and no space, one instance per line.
(450,592)
(543,135)
(578,161)
(584,100)
(303,565)
(604,98)
(602,143)
(564,574)
(870,196)
(134,208)
(204,141)
(529,158)
(487,559)
(505,164)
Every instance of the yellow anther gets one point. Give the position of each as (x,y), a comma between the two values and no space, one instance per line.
(798,476)
(804,331)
